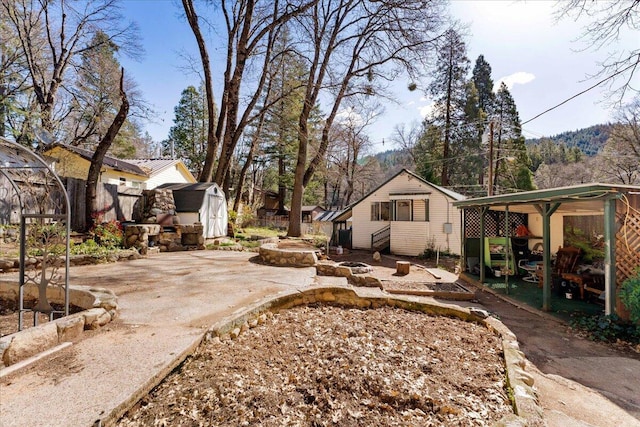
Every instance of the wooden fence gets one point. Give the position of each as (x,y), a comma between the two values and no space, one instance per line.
(114,201)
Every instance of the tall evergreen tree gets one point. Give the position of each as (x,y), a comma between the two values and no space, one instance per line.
(448,89)
(485,102)
(280,134)
(484,85)
(512,163)
(188,135)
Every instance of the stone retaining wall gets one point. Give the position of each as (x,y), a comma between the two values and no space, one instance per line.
(100,306)
(180,238)
(271,254)
(330,268)
(13,264)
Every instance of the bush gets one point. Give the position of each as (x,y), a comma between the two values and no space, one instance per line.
(108,234)
(630,296)
(607,328)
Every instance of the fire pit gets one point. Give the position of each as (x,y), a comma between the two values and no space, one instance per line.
(356,267)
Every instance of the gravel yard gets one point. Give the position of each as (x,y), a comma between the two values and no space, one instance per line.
(321,366)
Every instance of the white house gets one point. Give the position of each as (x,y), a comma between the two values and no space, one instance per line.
(408,215)
(162,171)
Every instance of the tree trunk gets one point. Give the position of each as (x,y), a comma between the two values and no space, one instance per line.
(212,139)
(91,201)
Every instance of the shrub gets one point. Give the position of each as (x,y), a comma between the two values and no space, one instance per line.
(607,328)
(108,234)
(630,296)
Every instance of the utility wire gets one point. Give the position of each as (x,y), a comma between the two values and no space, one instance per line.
(583,92)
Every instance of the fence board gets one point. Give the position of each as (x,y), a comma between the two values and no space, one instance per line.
(115,202)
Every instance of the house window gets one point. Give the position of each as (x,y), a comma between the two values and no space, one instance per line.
(379,211)
(410,210)
(403,210)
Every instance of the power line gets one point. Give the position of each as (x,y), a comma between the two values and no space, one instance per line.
(583,92)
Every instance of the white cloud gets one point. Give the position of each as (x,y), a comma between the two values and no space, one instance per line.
(425,110)
(349,115)
(521,78)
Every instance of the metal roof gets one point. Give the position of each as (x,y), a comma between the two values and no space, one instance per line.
(153,166)
(582,197)
(112,162)
(328,216)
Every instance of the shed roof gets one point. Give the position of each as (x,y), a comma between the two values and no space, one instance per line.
(189,197)
(198,186)
(328,215)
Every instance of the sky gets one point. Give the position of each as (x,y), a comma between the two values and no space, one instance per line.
(543,62)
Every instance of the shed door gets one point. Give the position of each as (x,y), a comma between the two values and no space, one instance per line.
(215,223)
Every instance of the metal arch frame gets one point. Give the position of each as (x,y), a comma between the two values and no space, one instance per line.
(66,217)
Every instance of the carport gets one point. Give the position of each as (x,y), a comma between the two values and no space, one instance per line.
(618,204)
(34,197)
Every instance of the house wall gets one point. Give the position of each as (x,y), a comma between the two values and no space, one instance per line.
(535,228)
(71,165)
(173,174)
(409,237)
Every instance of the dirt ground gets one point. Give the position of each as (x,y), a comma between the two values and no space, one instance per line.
(317,366)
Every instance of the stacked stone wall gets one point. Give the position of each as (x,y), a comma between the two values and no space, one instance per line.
(144,237)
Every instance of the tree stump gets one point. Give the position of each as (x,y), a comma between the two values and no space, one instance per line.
(402,267)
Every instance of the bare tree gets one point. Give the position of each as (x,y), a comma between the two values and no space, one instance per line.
(354,48)
(608,20)
(91,205)
(251,28)
(627,131)
(51,36)
(349,143)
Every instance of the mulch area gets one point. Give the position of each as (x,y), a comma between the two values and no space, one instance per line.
(321,366)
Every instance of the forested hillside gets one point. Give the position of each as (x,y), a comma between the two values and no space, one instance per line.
(589,140)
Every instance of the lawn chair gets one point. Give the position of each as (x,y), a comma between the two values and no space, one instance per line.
(566,262)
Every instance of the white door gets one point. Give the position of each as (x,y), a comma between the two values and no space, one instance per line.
(216,224)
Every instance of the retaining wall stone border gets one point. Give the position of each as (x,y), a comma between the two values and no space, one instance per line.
(330,268)
(272,255)
(527,412)
(100,306)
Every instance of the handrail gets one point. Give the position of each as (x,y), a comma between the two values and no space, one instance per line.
(378,236)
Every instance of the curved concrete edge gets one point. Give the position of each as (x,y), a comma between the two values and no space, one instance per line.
(526,409)
(118,412)
(100,306)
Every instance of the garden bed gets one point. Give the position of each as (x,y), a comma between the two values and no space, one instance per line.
(316,366)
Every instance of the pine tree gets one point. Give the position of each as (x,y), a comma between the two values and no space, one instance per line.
(448,89)
(280,132)
(188,135)
(512,163)
(484,85)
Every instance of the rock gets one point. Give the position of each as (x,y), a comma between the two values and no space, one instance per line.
(70,328)
(235,333)
(31,342)
(377,257)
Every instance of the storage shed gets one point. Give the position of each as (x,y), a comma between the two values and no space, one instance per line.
(202,202)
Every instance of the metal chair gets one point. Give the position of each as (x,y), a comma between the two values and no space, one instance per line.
(530,267)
